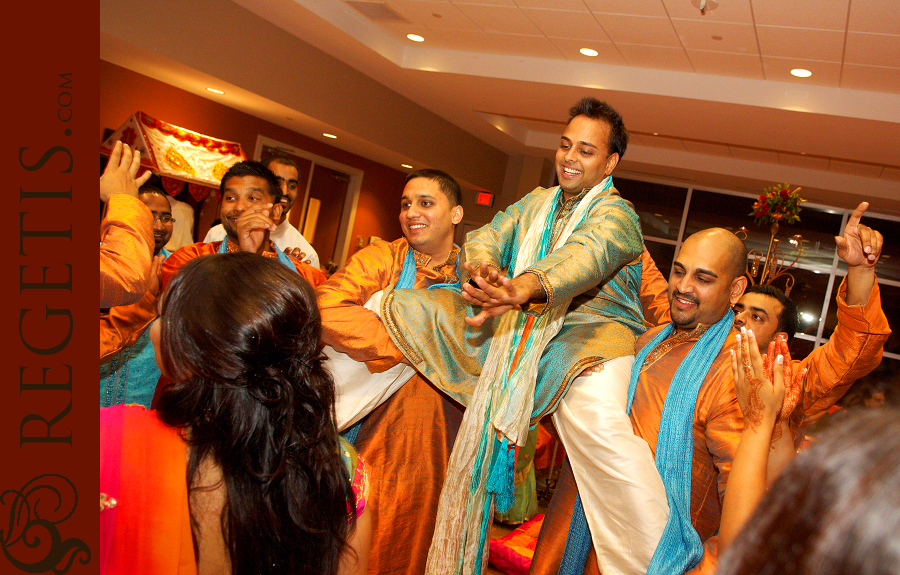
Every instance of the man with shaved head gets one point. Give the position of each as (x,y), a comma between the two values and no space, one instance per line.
(682,402)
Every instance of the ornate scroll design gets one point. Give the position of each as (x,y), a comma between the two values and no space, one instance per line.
(32,542)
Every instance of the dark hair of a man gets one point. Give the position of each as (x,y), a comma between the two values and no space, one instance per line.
(151,189)
(256,169)
(835,509)
(445,182)
(788,319)
(281,159)
(240,337)
(597,110)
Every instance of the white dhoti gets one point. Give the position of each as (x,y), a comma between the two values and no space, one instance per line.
(623,496)
(357,391)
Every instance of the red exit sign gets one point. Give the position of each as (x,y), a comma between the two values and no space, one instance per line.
(485,199)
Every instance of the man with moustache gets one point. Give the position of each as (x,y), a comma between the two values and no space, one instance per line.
(407,438)
(570,259)
(285,236)
(682,402)
(251,203)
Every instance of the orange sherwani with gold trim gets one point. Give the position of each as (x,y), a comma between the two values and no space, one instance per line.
(853,351)
(407,440)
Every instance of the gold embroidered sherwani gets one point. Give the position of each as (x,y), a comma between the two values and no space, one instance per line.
(853,351)
(406,440)
(599,268)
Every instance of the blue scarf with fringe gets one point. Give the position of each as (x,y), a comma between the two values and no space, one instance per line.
(680,547)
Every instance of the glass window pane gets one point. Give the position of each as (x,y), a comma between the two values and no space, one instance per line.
(818,227)
(888,267)
(892,312)
(659,207)
(663,255)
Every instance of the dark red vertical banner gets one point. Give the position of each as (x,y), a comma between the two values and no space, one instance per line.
(49,510)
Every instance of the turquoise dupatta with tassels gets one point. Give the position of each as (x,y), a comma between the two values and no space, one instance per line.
(496,421)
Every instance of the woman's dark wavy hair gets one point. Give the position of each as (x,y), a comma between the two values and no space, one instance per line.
(240,337)
(835,509)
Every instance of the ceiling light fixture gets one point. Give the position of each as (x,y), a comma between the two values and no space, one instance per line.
(407,166)
(415,38)
(588,52)
(704,5)
(801,73)
(214,91)
(332,136)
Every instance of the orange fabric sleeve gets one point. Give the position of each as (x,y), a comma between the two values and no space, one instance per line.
(654,292)
(126,250)
(347,326)
(852,351)
(124,324)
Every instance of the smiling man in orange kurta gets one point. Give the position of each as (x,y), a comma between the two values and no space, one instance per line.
(407,439)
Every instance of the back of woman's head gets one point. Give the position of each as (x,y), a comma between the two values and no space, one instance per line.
(834,510)
(240,339)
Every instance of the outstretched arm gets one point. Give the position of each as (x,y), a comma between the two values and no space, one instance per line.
(855,347)
(497,294)
(126,232)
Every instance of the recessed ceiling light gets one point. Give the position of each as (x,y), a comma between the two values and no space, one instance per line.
(330,136)
(655,133)
(588,52)
(415,38)
(214,91)
(801,73)
(406,166)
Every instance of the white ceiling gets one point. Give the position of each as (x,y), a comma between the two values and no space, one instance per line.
(708,99)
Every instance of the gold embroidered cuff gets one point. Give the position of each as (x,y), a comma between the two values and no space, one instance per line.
(541,307)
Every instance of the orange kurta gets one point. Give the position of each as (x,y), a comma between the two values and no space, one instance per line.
(716,433)
(407,440)
(126,249)
(183,255)
(350,328)
(853,351)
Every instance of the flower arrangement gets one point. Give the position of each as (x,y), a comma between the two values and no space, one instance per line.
(777,204)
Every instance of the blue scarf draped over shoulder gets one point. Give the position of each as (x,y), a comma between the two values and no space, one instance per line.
(680,547)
